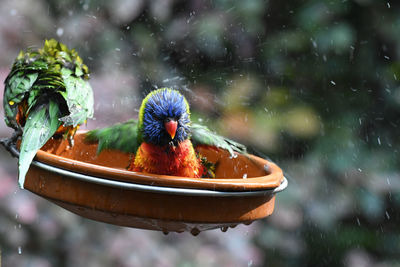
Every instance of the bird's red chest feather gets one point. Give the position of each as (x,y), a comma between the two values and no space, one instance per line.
(178,161)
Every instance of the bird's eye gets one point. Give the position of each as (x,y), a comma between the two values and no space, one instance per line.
(168,119)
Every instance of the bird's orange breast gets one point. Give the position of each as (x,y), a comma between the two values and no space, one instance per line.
(177,161)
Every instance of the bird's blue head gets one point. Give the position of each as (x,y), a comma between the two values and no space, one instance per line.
(164,118)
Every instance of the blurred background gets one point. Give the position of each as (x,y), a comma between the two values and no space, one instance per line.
(312,84)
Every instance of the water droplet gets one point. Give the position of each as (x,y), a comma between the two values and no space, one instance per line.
(91,16)
(195,231)
(387,215)
(388,4)
(314,43)
(224,229)
(245,176)
(19,250)
(379,140)
(358,221)
(333,83)
(266,168)
(60,32)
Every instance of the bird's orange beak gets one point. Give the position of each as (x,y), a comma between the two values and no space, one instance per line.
(170,126)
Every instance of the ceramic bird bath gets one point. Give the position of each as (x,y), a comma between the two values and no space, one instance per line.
(100,188)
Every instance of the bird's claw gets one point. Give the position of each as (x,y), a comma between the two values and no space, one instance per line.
(9,142)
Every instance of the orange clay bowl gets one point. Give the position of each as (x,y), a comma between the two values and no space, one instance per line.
(99,187)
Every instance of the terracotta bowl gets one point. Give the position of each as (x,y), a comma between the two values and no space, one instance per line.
(99,187)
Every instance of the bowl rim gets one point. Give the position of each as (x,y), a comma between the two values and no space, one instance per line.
(119,177)
(159,189)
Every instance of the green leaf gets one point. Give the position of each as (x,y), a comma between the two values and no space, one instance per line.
(121,136)
(40,126)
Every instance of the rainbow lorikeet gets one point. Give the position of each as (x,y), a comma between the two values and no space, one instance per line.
(46,93)
(163,138)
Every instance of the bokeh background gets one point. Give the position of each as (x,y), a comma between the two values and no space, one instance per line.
(312,84)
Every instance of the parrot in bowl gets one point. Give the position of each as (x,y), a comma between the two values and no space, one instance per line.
(46,94)
(163,139)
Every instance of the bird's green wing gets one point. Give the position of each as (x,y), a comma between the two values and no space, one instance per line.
(39,128)
(77,91)
(18,83)
(121,136)
(201,135)
(79,98)
(48,84)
